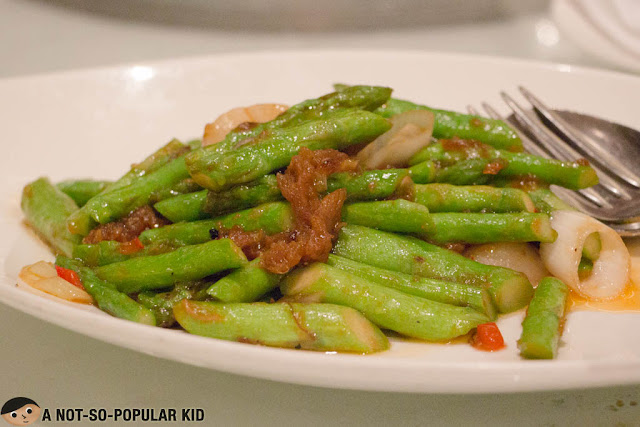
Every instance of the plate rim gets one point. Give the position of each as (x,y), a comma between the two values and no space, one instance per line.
(191,60)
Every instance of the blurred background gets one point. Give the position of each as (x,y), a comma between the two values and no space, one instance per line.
(46,35)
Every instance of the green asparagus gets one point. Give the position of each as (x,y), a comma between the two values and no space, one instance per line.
(488,228)
(161,304)
(566,174)
(390,215)
(320,327)
(449,124)
(106,295)
(246,284)
(183,207)
(386,307)
(475,198)
(436,290)
(46,208)
(184,264)
(81,190)
(509,289)
(274,149)
(270,217)
(542,327)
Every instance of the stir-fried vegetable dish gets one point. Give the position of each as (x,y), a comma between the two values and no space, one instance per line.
(324,225)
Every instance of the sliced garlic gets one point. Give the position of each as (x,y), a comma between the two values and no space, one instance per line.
(43,276)
(410,132)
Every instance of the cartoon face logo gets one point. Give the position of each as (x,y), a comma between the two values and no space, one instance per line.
(20,411)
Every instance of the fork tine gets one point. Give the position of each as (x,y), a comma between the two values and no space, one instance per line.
(584,142)
(557,147)
(614,216)
(472,110)
(583,200)
(626,229)
(587,195)
(491,111)
(529,145)
(593,196)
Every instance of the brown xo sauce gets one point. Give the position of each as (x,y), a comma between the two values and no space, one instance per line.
(317,219)
(127,230)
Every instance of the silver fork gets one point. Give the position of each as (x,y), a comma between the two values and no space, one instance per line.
(548,133)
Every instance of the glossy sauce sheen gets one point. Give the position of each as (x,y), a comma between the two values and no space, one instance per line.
(629,301)
(128,228)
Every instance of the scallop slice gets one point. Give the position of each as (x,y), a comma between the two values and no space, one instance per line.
(610,273)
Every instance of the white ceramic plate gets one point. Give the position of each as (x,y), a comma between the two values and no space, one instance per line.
(94,123)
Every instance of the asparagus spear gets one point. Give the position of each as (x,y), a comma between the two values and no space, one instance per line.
(388,308)
(186,186)
(466,172)
(475,198)
(114,204)
(391,215)
(183,207)
(489,228)
(270,217)
(81,222)
(369,185)
(436,290)
(362,97)
(509,289)
(81,190)
(262,190)
(102,253)
(542,327)
(106,295)
(274,149)
(246,284)
(566,174)
(320,327)
(46,208)
(547,202)
(165,154)
(449,124)
(379,184)
(161,304)
(585,268)
(110,251)
(184,264)
(407,217)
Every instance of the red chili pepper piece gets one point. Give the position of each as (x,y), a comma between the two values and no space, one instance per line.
(488,337)
(70,276)
(131,247)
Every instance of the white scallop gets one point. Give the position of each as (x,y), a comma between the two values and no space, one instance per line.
(610,273)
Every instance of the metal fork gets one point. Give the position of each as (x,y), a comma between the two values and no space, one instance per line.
(548,133)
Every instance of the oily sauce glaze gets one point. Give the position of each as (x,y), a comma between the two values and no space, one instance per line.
(128,228)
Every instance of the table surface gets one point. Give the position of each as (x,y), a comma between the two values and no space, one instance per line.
(61,369)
